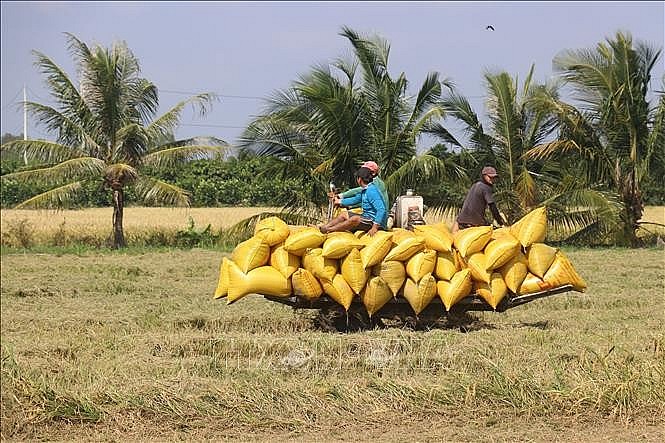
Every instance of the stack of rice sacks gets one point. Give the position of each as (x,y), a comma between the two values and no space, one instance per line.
(284,261)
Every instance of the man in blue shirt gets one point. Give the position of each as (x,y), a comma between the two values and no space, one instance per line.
(374,215)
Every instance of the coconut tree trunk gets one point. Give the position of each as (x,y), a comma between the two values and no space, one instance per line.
(633,209)
(118,207)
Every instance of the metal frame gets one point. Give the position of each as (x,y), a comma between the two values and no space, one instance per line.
(400,306)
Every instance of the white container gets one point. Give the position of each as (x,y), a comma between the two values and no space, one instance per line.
(406,203)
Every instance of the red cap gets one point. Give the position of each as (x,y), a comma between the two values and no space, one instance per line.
(371,166)
(488,170)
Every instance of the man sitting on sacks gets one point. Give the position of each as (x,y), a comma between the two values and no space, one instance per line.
(479,197)
(374,215)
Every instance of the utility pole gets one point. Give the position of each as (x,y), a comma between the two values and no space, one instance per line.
(25,123)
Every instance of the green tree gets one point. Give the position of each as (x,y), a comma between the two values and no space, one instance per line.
(342,114)
(612,132)
(515,125)
(106,128)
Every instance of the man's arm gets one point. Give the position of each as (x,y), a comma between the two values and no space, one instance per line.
(496,215)
(350,192)
(351,202)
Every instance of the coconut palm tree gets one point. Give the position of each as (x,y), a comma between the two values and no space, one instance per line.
(339,115)
(516,125)
(105,127)
(612,131)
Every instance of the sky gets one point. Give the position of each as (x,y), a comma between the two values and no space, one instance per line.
(245,51)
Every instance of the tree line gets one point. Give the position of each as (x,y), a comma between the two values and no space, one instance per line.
(594,160)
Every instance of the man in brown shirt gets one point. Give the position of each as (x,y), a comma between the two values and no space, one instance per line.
(478,198)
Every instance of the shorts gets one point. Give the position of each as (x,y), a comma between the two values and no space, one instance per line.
(365,225)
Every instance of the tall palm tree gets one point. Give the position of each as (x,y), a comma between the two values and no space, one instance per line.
(516,125)
(105,127)
(612,131)
(339,115)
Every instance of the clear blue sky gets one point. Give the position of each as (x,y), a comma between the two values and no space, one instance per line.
(243,50)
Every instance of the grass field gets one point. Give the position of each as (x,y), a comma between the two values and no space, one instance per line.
(150,226)
(116,346)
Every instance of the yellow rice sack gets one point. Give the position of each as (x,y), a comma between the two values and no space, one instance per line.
(223,283)
(471,240)
(375,295)
(283,260)
(460,286)
(442,287)
(435,238)
(500,232)
(339,290)
(499,251)
(404,250)
(514,272)
(420,294)
(420,264)
(251,254)
(354,272)
(376,248)
(340,244)
(532,228)
(494,291)
(562,273)
(441,226)
(264,280)
(392,272)
(400,234)
(298,242)
(540,257)
(446,265)
(321,267)
(305,285)
(478,266)
(533,283)
(272,230)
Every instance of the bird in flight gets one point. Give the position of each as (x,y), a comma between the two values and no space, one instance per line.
(490,27)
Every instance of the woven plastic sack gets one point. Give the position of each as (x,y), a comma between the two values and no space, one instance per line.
(223,283)
(533,283)
(540,257)
(251,254)
(392,272)
(458,288)
(494,291)
(264,280)
(562,273)
(471,240)
(499,251)
(446,265)
(305,285)
(321,267)
(435,238)
(514,272)
(478,266)
(420,264)
(339,290)
(375,295)
(376,249)
(284,261)
(420,294)
(339,244)
(532,228)
(298,242)
(272,230)
(404,250)
(401,234)
(354,272)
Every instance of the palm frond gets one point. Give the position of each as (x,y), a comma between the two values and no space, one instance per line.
(154,191)
(77,168)
(170,156)
(44,151)
(55,198)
